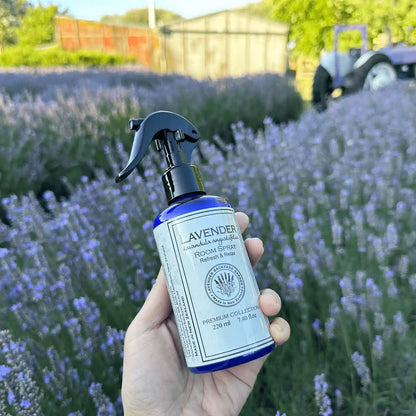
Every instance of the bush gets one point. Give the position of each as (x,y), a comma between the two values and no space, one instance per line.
(332,197)
(55,56)
(37,26)
(215,106)
(41,142)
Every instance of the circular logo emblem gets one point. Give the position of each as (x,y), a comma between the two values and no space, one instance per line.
(224,285)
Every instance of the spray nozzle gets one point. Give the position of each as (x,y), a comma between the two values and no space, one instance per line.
(134,123)
(177,137)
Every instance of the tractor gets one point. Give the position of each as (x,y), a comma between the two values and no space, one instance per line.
(360,68)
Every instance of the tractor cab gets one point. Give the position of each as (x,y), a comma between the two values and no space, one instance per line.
(360,68)
(354,54)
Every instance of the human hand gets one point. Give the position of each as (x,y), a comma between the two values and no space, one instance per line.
(156,380)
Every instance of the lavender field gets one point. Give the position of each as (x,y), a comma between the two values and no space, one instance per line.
(333,197)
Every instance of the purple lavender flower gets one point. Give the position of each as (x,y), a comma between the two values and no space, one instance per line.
(322,400)
(348,300)
(373,295)
(123,217)
(317,326)
(338,398)
(330,328)
(25,404)
(362,370)
(4,370)
(10,397)
(400,326)
(101,401)
(403,266)
(379,321)
(412,281)
(378,347)
(79,303)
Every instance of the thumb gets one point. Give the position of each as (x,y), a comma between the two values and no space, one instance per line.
(157,307)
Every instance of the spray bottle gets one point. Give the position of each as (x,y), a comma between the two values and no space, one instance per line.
(211,284)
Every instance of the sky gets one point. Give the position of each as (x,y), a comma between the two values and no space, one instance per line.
(94,9)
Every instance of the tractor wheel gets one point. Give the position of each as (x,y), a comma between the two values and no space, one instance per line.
(321,88)
(376,73)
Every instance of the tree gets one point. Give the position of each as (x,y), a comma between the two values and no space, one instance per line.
(311,21)
(140,17)
(397,15)
(10,13)
(261,8)
(37,26)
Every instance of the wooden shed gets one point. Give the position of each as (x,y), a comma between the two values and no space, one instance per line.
(227,43)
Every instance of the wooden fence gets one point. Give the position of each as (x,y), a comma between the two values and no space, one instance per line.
(74,34)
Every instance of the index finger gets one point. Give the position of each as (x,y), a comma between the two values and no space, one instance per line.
(242,220)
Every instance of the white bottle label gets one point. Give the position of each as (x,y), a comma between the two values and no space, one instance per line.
(212,286)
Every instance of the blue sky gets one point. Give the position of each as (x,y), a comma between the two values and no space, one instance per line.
(94,9)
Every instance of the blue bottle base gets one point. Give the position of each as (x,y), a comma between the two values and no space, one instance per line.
(232,362)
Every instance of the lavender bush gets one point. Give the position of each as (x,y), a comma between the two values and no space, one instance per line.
(333,198)
(214,106)
(46,82)
(57,124)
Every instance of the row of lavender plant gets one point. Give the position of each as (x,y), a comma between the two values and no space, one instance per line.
(46,82)
(333,198)
(60,123)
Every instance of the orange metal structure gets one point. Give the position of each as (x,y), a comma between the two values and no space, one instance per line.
(75,34)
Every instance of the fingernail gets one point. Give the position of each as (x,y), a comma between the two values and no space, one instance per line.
(274,296)
(280,328)
(277,328)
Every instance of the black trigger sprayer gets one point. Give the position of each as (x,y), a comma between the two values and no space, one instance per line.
(211,283)
(177,138)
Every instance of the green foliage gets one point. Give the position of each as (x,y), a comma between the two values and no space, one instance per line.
(55,56)
(37,26)
(10,13)
(259,8)
(140,17)
(311,21)
(397,15)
